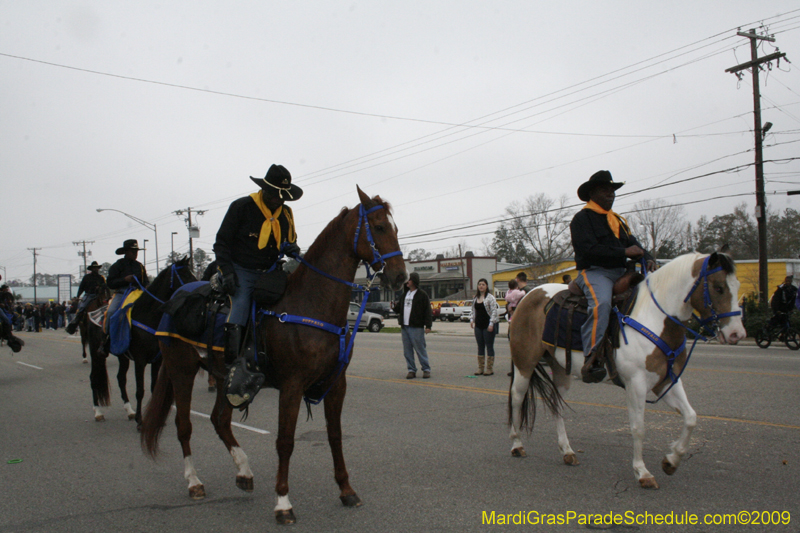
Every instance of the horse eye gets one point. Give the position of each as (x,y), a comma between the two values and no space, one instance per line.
(379,228)
(719,290)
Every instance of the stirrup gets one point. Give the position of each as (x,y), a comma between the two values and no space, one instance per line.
(592,371)
(242,385)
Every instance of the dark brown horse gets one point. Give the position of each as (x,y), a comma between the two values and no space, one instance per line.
(145,314)
(300,356)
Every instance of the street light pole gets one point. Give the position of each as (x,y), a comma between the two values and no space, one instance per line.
(172,238)
(148,225)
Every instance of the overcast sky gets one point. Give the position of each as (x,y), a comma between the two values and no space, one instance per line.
(450,110)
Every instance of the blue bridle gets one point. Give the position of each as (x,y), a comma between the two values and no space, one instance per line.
(345,348)
(671,353)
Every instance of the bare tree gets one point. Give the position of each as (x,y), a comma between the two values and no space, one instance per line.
(537,230)
(657,224)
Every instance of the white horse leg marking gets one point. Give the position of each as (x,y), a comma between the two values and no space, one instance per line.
(98,414)
(190,473)
(518,391)
(563,441)
(283,504)
(241,462)
(677,399)
(129,410)
(636,393)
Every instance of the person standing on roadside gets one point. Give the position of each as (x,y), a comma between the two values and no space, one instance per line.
(484,321)
(415,317)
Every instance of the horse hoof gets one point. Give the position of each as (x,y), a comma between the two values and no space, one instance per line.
(518,452)
(198,492)
(667,467)
(99,418)
(85,361)
(571,459)
(285,517)
(648,483)
(244,483)
(351,501)
(131,416)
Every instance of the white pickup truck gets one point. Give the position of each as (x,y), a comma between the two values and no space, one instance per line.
(452,311)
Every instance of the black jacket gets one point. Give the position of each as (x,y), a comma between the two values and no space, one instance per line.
(91,283)
(121,269)
(421,314)
(783,299)
(237,238)
(596,245)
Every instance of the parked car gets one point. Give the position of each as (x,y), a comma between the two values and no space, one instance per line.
(466,316)
(382,308)
(452,311)
(371,321)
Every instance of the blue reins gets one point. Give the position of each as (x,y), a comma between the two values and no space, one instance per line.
(671,353)
(345,348)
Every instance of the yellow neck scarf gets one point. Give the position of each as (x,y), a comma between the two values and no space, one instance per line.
(271,225)
(614,220)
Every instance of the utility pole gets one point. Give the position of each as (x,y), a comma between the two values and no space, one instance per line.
(761,199)
(84,253)
(35,301)
(194,231)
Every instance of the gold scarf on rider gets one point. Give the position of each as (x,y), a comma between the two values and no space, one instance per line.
(271,225)
(614,220)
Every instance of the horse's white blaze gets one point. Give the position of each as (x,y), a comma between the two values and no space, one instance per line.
(129,409)
(283,504)
(391,221)
(732,329)
(241,462)
(190,473)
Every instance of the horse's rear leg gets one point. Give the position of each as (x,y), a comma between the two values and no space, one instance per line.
(181,372)
(290,398)
(563,381)
(122,380)
(636,392)
(221,418)
(676,398)
(139,367)
(333,417)
(517,395)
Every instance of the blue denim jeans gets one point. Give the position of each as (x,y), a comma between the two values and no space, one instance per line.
(598,285)
(485,340)
(241,299)
(414,340)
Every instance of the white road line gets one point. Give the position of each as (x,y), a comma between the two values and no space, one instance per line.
(250,428)
(32,366)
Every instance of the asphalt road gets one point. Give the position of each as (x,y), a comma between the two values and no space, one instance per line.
(423,455)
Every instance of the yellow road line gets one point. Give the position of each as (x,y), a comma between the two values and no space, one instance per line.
(591,404)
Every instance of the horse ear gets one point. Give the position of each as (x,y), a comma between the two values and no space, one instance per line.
(365,200)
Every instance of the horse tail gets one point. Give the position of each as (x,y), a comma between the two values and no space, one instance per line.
(98,378)
(541,383)
(156,412)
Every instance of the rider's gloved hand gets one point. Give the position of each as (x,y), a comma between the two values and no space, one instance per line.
(291,249)
(230,282)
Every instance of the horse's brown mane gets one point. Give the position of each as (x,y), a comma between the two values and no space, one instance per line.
(726,262)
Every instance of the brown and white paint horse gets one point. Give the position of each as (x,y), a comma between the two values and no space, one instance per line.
(641,365)
(301,356)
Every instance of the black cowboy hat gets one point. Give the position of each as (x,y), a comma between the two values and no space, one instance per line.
(130,244)
(93,265)
(601,177)
(278,182)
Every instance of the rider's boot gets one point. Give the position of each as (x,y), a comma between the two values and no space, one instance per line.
(241,384)
(593,370)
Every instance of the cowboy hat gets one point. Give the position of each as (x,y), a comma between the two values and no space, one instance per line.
(278,182)
(130,244)
(601,177)
(93,266)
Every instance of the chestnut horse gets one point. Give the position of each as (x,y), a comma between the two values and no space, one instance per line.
(145,314)
(301,357)
(663,304)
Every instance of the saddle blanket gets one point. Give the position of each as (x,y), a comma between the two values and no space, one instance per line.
(558,317)
(119,324)
(167,329)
